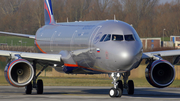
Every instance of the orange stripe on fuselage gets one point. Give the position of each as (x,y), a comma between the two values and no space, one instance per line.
(71,65)
(39,47)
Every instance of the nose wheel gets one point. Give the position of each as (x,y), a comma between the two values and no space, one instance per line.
(117,90)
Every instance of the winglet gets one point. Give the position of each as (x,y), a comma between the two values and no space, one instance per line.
(48,13)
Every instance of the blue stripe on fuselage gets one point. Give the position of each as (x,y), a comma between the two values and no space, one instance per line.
(72,70)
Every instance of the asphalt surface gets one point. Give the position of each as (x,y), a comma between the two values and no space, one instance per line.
(61,93)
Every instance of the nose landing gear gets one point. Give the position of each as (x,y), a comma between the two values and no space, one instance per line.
(117,90)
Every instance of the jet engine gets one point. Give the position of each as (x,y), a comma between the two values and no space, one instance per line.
(19,73)
(160,73)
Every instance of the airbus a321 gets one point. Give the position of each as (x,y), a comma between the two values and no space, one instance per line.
(87,47)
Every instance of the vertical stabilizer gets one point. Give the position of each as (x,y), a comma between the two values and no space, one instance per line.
(48,13)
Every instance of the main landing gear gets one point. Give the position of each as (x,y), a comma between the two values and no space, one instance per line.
(39,85)
(117,90)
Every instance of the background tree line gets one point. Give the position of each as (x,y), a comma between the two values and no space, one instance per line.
(148,17)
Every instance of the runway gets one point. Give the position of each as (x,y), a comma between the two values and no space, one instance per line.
(61,93)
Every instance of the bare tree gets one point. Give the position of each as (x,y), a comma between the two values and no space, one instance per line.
(148,17)
(10,6)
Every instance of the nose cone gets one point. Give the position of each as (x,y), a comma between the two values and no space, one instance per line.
(126,56)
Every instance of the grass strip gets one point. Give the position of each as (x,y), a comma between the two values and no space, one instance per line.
(75,81)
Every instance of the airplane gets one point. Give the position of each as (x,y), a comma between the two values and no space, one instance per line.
(87,47)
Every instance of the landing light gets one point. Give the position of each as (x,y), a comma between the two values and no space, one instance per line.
(55,65)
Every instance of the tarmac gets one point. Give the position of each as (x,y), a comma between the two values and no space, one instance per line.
(62,93)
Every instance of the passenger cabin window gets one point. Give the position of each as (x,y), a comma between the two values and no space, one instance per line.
(129,37)
(103,38)
(117,37)
(108,37)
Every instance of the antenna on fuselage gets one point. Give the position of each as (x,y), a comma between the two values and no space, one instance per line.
(114,17)
(67,20)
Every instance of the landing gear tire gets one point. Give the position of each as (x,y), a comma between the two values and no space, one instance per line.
(39,87)
(119,92)
(113,92)
(120,85)
(29,88)
(130,88)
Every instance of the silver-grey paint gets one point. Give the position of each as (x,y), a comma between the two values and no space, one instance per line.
(78,42)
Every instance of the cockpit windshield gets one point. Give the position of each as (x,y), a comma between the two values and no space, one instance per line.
(117,37)
(129,37)
(103,37)
(107,37)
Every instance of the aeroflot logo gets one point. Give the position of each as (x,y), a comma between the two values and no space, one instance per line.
(97,38)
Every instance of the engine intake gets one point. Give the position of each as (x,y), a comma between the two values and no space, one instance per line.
(19,73)
(160,73)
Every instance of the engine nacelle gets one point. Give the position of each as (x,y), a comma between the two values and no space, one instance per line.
(19,73)
(160,73)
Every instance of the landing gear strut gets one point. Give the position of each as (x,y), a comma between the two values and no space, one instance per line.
(117,90)
(128,85)
(39,85)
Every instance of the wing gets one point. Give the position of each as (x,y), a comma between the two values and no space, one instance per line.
(45,58)
(18,34)
(147,55)
(19,72)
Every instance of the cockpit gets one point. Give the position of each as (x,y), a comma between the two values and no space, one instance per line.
(114,37)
